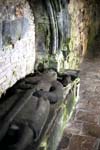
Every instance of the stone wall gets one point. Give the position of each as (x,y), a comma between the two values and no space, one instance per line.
(17,42)
(85,25)
(65,31)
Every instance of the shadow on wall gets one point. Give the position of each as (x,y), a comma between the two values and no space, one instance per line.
(93,45)
(13,24)
(13,30)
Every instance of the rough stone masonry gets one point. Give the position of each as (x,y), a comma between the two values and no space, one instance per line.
(17,42)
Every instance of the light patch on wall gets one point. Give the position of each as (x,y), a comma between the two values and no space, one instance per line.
(18,51)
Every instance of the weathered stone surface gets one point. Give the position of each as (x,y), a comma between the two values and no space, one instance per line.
(65,141)
(79,142)
(16,28)
(91,129)
(90,105)
(86,116)
(25,112)
(6,32)
(0,35)
(85,123)
(17,43)
(83,29)
(52,32)
(74,127)
(18,47)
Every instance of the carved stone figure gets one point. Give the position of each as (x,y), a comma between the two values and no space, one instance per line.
(28,124)
(55,93)
(24,121)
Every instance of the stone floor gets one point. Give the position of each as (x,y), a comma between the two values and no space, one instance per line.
(83,129)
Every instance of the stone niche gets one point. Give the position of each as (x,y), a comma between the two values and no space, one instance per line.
(17,42)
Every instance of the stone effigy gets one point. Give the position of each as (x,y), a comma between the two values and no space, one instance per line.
(28,124)
(30,111)
(54,95)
